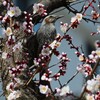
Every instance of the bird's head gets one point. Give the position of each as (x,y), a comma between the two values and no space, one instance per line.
(51,19)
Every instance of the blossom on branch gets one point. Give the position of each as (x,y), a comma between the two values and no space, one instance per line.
(39,9)
(85,69)
(93,85)
(43,89)
(14,11)
(14,95)
(8,31)
(4,55)
(64,27)
(65,90)
(46,51)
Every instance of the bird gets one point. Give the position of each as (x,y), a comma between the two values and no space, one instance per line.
(45,34)
(47,31)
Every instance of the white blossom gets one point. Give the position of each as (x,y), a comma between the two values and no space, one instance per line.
(46,51)
(11,12)
(98,78)
(64,27)
(14,95)
(14,11)
(4,3)
(55,44)
(81,57)
(35,8)
(65,90)
(98,52)
(4,55)
(43,89)
(8,31)
(85,69)
(17,11)
(18,47)
(39,8)
(10,86)
(79,16)
(73,19)
(93,85)
(43,77)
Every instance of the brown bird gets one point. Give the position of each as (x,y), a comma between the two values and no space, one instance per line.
(46,34)
(47,31)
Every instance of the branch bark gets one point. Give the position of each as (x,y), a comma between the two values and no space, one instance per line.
(50,5)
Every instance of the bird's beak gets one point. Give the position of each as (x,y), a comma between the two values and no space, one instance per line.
(60,16)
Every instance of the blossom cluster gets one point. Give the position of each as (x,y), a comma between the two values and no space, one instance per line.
(27,24)
(64,91)
(93,88)
(39,9)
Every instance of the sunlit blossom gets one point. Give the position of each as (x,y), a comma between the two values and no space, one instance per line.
(11,12)
(93,85)
(10,87)
(64,27)
(14,11)
(79,16)
(8,31)
(55,44)
(73,19)
(81,57)
(98,52)
(43,89)
(44,77)
(65,90)
(4,55)
(39,8)
(85,69)
(98,78)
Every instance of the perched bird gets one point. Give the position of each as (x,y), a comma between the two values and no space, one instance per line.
(47,31)
(45,34)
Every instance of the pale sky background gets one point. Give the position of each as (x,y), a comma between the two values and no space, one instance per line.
(81,36)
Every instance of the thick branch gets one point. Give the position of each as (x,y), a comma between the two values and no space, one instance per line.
(50,5)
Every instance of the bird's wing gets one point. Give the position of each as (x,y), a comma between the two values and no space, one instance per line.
(45,34)
(32,46)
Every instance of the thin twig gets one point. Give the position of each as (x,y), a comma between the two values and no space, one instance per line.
(57,11)
(71,78)
(59,83)
(34,73)
(54,64)
(76,3)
